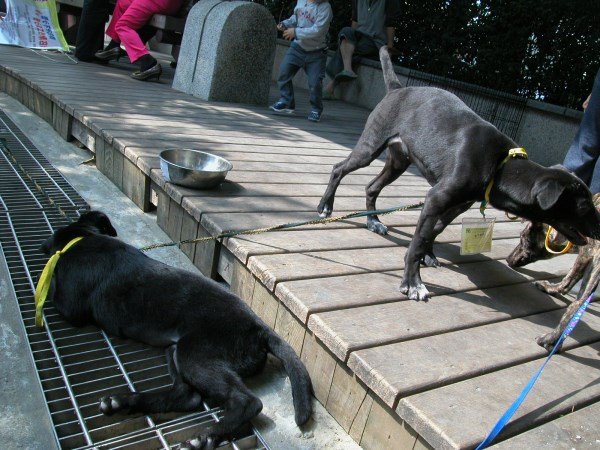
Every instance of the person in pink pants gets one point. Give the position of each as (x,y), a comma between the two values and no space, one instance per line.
(128,17)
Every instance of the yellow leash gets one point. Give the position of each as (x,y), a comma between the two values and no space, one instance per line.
(43,286)
(512,153)
(568,246)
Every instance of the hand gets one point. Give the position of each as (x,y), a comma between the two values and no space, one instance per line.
(587,102)
(280,26)
(289,34)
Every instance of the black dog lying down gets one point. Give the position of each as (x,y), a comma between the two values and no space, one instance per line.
(211,336)
(459,154)
(586,268)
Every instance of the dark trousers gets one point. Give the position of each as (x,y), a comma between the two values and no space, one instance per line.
(582,157)
(313,64)
(90,33)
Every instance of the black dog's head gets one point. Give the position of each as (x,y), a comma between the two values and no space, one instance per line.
(90,223)
(563,201)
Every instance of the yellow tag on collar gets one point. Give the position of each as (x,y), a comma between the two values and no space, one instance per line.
(518,152)
(43,286)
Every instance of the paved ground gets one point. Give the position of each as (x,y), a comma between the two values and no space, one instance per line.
(276,423)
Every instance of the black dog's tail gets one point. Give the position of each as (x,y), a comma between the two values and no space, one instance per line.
(389,76)
(301,385)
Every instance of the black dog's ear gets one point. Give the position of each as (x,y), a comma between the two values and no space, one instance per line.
(106,227)
(98,220)
(547,192)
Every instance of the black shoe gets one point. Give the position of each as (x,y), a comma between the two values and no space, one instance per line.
(153,72)
(110,54)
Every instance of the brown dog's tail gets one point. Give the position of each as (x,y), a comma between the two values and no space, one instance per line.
(301,385)
(389,76)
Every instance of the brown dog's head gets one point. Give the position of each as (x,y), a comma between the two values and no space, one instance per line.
(90,223)
(532,247)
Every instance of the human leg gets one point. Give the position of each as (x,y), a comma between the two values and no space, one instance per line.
(136,15)
(315,72)
(582,157)
(90,32)
(292,62)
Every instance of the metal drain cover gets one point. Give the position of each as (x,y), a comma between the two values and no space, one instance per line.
(76,366)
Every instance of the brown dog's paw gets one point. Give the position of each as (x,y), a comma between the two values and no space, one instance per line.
(548,341)
(548,288)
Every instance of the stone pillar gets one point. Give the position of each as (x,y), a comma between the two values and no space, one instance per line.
(227,52)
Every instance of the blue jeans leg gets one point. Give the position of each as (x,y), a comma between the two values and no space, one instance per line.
(582,157)
(315,72)
(292,62)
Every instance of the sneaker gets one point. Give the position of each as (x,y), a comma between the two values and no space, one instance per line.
(314,116)
(281,107)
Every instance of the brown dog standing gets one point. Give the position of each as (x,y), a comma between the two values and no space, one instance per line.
(585,268)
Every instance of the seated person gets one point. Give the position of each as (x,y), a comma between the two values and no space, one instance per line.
(307,29)
(90,30)
(372,28)
(128,17)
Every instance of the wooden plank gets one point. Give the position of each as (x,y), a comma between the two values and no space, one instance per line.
(344,239)
(443,359)
(569,382)
(577,429)
(309,296)
(136,185)
(384,430)
(273,269)
(344,331)
(189,230)
(320,364)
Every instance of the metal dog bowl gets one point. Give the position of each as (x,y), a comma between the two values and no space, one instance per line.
(193,168)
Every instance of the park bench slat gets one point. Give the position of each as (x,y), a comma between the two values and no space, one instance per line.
(461,415)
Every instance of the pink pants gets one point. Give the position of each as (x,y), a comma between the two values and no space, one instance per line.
(131,15)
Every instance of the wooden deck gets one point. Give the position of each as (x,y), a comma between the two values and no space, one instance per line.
(394,373)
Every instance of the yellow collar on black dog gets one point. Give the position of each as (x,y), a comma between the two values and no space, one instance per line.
(43,286)
(518,152)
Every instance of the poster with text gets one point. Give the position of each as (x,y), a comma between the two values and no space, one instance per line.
(32,24)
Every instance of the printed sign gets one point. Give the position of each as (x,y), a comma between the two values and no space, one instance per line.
(32,24)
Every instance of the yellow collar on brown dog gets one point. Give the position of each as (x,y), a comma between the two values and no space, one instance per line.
(518,152)
(43,286)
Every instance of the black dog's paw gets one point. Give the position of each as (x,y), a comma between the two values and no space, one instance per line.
(200,443)
(548,341)
(324,211)
(111,404)
(376,227)
(430,260)
(416,292)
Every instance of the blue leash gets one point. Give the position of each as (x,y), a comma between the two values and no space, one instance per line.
(513,408)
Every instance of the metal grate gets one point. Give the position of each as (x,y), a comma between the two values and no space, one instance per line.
(76,366)
(503,110)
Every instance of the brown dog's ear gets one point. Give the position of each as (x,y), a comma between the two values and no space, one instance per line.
(547,192)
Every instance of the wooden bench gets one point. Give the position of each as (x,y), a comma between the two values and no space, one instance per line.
(169,29)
